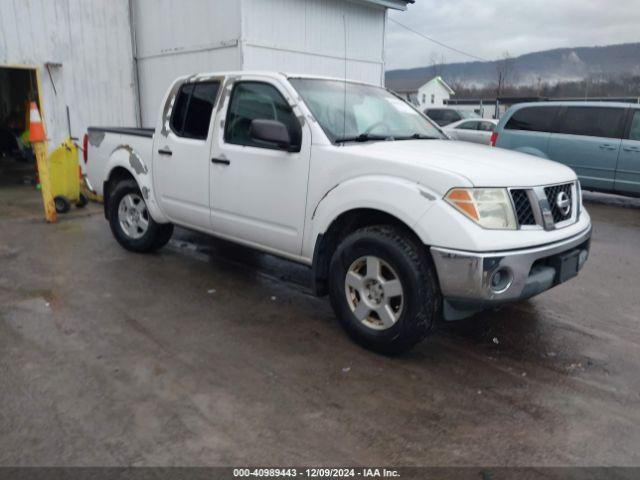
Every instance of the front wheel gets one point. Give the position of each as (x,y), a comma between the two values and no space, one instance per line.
(130,221)
(383,289)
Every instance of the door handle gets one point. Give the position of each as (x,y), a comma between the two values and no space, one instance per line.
(165,152)
(606,146)
(220,161)
(632,149)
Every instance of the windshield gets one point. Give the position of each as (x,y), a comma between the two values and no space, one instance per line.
(355,112)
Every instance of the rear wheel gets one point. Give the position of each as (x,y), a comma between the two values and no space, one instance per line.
(130,221)
(383,289)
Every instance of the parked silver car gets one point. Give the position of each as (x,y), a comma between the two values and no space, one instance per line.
(475,130)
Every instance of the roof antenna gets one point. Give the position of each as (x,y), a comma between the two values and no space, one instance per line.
(344,105)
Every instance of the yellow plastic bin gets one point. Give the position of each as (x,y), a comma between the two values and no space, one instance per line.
(64,171)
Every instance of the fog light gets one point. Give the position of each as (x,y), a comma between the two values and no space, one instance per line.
(582,258)
(501,280)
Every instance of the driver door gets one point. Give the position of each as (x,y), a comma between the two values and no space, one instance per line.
(259,191)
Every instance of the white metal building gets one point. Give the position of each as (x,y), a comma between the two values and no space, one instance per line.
(109,62)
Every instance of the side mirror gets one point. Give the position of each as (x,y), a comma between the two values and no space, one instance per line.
(270,131)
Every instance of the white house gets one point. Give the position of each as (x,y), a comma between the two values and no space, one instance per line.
(434,93)
(109,62)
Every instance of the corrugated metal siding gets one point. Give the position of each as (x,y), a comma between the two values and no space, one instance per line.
(308,36)
(180,38)
(92,41)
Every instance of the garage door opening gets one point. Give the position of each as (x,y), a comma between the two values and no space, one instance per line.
(18,87)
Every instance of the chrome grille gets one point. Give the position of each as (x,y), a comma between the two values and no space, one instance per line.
(552,197)
(542,207)
(522,205)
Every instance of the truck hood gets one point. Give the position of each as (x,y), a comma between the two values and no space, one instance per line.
(481,165)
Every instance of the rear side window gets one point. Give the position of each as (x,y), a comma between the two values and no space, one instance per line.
(468,126)
(434,114)
(192,110)
(451,116)
(255,100)
(592,122)
(533,119)
(634,133)
(180,108)
(486,126)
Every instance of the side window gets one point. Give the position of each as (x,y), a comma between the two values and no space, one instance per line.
(592,122)
(198,118)
(192,110)
(468,126)
(451,116)
(486,126)
(180,108)
(255,100)
(434,114)
(533,119)
(634,133)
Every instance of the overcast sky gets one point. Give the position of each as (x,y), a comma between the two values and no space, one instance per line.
(488,28)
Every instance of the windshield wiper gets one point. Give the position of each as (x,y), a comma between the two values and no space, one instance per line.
(363,137)
(417,136)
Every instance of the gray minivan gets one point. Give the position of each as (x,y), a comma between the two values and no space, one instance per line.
(600,141)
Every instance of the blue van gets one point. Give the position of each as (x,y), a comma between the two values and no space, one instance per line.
(600,141)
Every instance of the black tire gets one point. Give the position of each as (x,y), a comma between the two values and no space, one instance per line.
(82,201)
(62,204)
(157,234)
(414,268)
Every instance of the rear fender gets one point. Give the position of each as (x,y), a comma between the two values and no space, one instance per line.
(126,157)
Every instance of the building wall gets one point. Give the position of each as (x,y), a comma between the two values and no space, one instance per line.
(181,38)
(308,36)
(92,42)
(432,95)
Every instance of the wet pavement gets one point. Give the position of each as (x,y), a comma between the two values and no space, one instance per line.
(211,354)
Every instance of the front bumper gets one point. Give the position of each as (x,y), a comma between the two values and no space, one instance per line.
(471,281)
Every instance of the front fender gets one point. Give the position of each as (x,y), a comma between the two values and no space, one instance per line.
(406,200)
(126,157)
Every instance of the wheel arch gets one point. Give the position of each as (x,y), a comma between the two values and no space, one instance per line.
(344,224)
(124,164)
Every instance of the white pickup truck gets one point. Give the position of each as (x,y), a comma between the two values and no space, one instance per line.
(400,225)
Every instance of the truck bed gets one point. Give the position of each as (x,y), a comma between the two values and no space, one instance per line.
(104,144)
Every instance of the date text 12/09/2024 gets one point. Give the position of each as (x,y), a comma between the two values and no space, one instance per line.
(315,473)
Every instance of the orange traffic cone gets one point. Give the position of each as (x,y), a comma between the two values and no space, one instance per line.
(38,139)
(36,127)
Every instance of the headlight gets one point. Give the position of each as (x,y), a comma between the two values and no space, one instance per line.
(488,207)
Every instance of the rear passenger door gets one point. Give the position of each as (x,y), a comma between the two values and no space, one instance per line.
(181,159)
(628,170)
(588,140)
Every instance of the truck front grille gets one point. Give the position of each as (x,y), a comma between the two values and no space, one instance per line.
(552,194)
(554,206)
(524,212)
